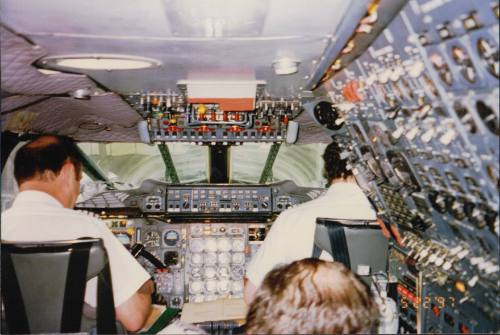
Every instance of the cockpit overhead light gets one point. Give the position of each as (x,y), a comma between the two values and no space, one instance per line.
(285,66)
(107,62)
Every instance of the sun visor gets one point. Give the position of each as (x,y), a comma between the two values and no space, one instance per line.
(237,96)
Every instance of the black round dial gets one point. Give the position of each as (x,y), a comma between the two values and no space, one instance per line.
(327,115)
(171,238)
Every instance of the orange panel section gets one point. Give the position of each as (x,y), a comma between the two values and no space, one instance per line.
(227,104)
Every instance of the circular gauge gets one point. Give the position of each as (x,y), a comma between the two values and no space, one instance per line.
(488,116)
(210,258)
(465,117)
(405,86)
(359,133)
(471,182)
(236,286)
(490,54)
(223,286)
(238,244)
(429,84)
(237,271)
(224,272)
(196,245)
(196,272)
(196,286)
(452,177)
(396,90)
(462,59)
(196,258)
(151,239)
(210,272)
(442,68)
(210,244)
(381,134)
(326,114)
(196,298)
(402,170)
(238,258)
(371,162)
(386,167)
(171,238)
(196,230)
(493,175)
(223,258)
(211,297)
(211,285)
(223,244)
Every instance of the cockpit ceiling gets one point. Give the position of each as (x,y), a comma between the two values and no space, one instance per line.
(192,39)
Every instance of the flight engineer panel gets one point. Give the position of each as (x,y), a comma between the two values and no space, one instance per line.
(417,106)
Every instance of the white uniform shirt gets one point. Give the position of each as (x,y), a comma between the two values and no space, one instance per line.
(37,216)
(291,236)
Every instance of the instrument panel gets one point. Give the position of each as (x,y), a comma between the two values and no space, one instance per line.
(205,261)
(204,234)
(419,110)
(250,199)
(171,119)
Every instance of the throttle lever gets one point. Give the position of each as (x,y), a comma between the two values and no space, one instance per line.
(138,250)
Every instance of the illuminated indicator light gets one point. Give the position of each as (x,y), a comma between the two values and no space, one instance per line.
(174,129)
(204,129)
(460,286)
(436,311)
(265,129)
(463,329)
(235,129)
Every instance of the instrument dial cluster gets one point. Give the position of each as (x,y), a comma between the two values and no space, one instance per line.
(205,261)
(215,260)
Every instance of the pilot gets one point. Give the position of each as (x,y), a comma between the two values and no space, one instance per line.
(299,298)
(291,236)
(48,171)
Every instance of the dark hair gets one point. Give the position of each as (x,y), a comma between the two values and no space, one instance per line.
(46,153)
(312,296)
(335,167)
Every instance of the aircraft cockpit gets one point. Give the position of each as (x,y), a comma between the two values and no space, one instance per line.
(199,122)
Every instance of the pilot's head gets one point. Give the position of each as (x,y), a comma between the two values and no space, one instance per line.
(312,296)
(50,164)
(336,167)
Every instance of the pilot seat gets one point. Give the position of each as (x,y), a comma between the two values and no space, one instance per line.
(43,286)
(359,244)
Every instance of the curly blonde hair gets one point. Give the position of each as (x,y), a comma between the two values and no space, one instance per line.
(312,296)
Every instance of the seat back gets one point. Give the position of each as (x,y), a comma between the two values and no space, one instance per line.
(43,285)
(359,244)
